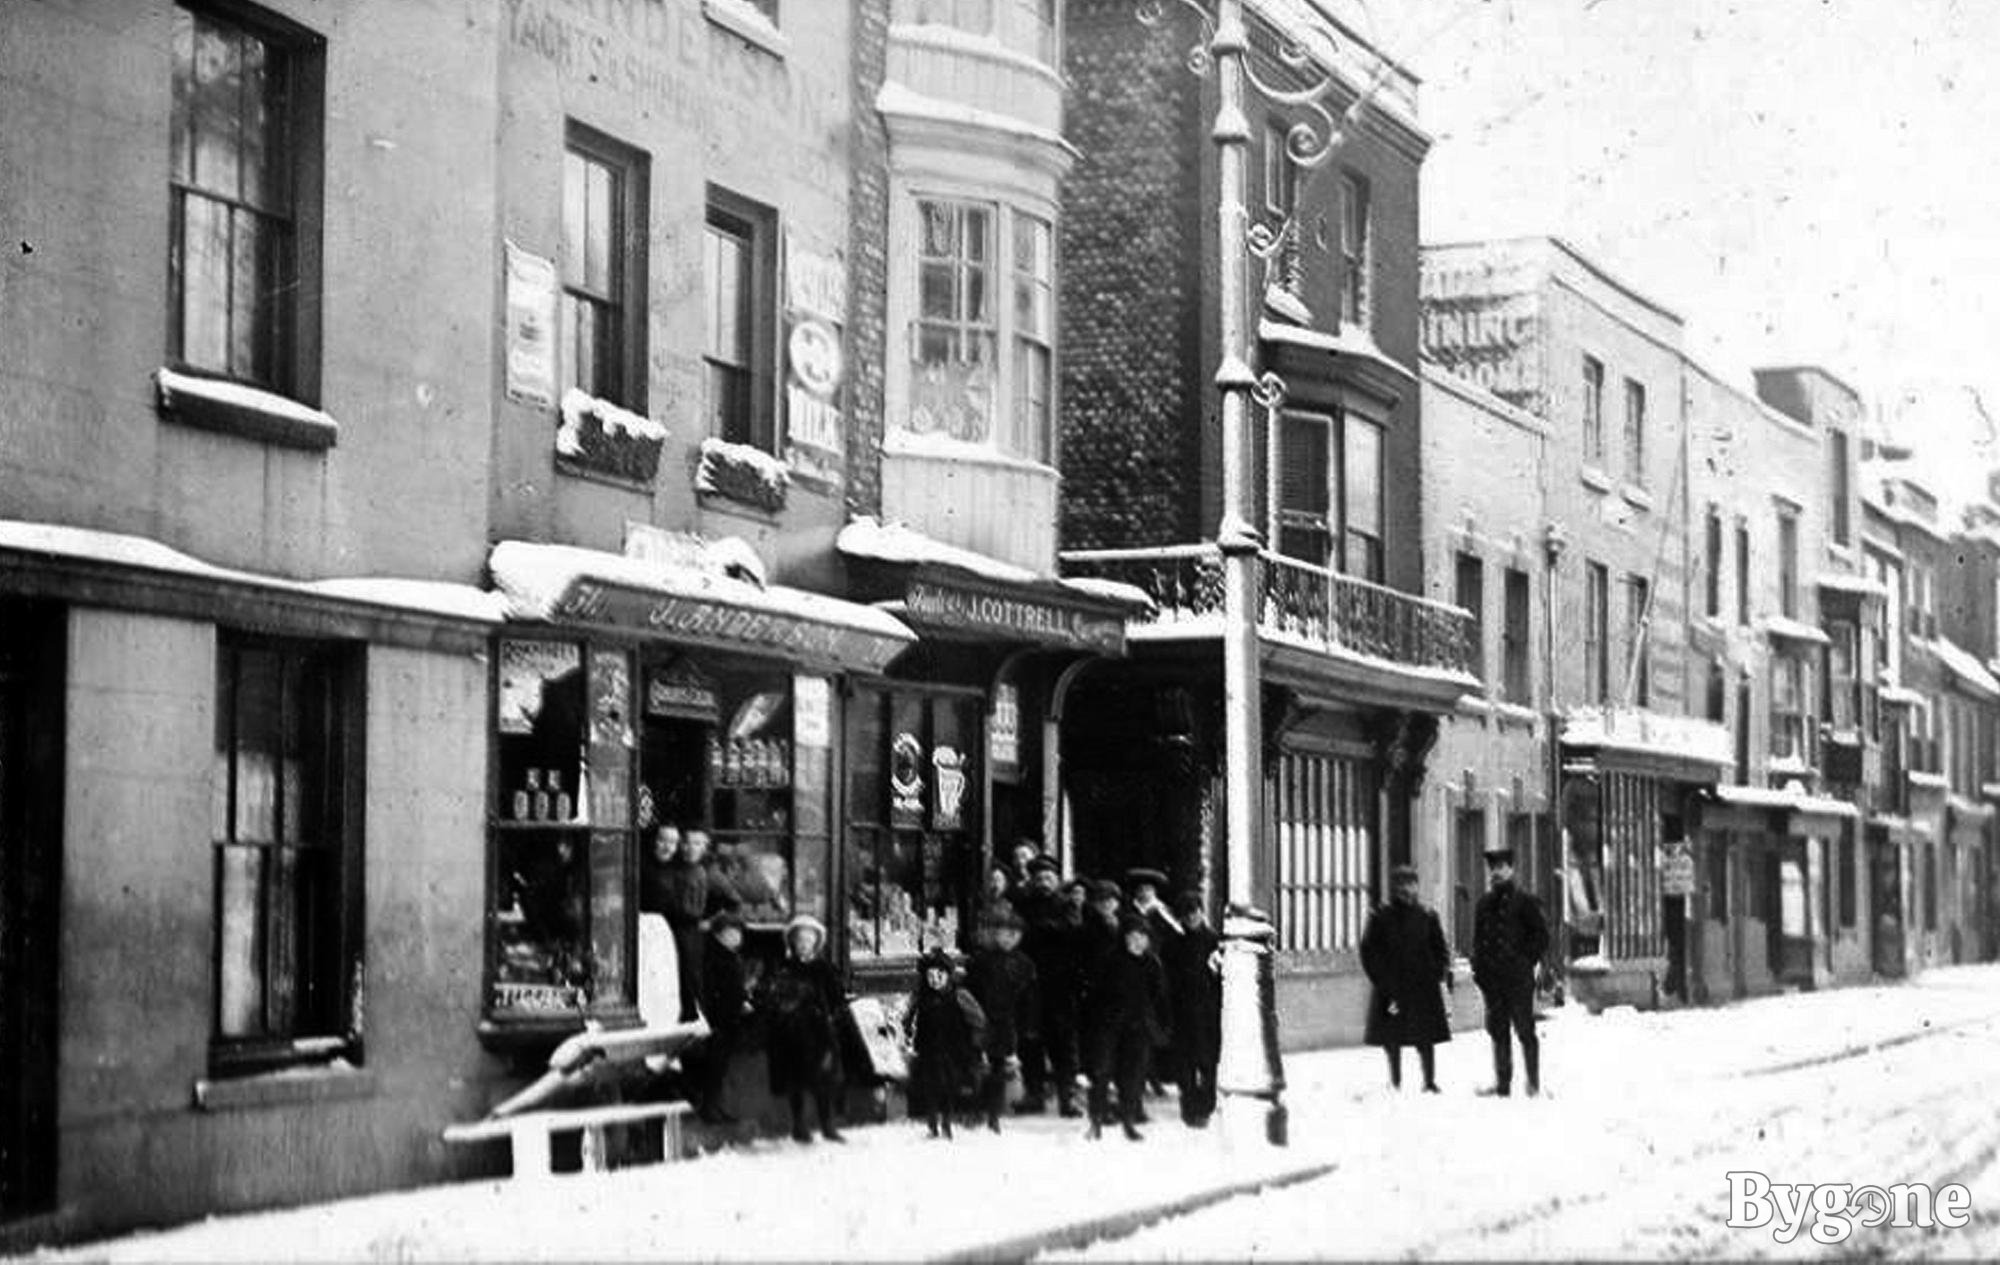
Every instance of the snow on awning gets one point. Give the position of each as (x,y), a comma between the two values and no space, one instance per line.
(1350,341)
(1966,668)
(141,554)
(566,584)
(1787,629)
(1687,741)
(1901,696)
(956,591)
(1791,798)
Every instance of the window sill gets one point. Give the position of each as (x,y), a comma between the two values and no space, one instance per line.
(317,1084)
(1515,714)
(591,474)
(742,19)
(230,408)
(1636,496)
(1594,478)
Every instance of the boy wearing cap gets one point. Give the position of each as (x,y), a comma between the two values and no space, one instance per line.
(1003,982)
(1130,999)
(1509,937)
(1404,955)
(725,1002)
(1050,1055)
(1194,980)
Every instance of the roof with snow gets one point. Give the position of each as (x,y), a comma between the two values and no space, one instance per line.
(1793,630)
(1966,667)
(1793,797)
(693,600)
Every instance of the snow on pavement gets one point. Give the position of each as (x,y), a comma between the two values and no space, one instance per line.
(1626,1158)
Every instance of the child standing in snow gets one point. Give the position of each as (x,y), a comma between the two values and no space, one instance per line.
(946,1028)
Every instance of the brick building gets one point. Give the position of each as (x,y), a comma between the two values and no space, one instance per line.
(1355,665)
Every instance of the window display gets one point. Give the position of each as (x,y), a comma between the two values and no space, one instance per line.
(561,855)
(913,846)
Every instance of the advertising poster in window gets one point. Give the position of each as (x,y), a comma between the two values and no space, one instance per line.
(531,328)
(1003,737)
(526,669)
(816,305)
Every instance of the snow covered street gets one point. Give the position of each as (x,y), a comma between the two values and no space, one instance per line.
(1626,1157)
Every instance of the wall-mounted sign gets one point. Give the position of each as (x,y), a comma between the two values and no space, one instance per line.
(1027,618)
(592,601)
(1677,871)
(531,328)
(906,782)
(682,690)
(948,764)
(1003,733)
(816,304)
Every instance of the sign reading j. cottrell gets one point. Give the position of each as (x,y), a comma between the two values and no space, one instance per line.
(1021,617)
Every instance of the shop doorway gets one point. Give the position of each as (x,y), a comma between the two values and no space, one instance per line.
(1673,924)
(1885,901)
(31,788)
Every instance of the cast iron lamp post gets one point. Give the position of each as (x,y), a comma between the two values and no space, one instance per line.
(1250,1076)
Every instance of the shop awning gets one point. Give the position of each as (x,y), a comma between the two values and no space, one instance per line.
(720,605)
(1683,748)
(947,591)
(1791,800)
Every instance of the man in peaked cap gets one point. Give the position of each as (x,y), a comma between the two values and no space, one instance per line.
(1509,937)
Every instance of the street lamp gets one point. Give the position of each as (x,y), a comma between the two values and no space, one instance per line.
(1250,1075)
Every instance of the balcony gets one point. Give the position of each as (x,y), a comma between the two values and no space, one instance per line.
(1315,625)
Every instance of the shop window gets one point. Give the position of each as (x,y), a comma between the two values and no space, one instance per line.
(1354,287)
(1516,639)
(740,351)
(1593,411)
(244,178)
(1848,878)
(1469,592)
(1324,810)
(286,845)
(604,269)
(913,821)
(561,938)
(1928,883)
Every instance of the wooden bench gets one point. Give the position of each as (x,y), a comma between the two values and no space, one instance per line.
(530,1132)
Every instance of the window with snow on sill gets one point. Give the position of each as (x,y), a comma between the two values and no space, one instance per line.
(598,435)
(739,472)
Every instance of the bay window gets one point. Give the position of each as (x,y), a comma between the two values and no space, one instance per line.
(1329,507)
(985,278)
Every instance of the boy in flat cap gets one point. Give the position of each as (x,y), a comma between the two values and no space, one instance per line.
(1509,936)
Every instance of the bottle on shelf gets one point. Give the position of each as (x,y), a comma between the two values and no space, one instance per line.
(521,803)
(564,810)
(539,794)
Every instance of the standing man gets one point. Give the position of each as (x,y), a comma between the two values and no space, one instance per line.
(1051,1056)
(1404,955)
(1509,937)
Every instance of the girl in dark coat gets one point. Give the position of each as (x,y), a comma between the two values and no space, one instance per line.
(1404,954)
(805,1003)
(946,1028)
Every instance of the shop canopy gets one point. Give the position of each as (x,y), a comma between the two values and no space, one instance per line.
(947,591)
(712,596)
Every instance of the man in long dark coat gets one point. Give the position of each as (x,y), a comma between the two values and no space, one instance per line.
(1404,954)
(1509,937)
(1129,997)
(1194,978)
(1051,943)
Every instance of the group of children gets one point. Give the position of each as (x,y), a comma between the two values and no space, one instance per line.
(1066,977)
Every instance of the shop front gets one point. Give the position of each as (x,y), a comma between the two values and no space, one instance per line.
(1777,860)
(955,755)
(638,701)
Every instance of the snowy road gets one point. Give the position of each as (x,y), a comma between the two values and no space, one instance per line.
(1648,1113)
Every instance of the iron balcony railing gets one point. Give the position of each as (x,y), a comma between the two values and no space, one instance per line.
(1296,601)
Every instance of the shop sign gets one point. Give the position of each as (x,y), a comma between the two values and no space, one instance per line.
(775,632)
(949,764)
(1003,733)
(538,998)
(1017,616)
(906,782)
(1677,871)
(531,328)
(682,690)
(816,303)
